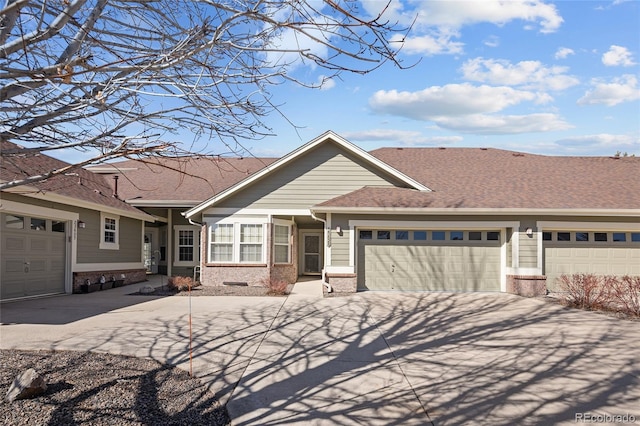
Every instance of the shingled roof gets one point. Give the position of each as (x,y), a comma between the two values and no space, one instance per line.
(77,184)
(179,181)
(477,178)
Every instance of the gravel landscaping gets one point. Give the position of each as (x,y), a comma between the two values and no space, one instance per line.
(104,389)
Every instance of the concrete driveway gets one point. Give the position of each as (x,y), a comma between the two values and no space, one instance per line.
(372,358)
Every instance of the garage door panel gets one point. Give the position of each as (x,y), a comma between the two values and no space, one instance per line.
(442,267)
(568,259)
(37,264)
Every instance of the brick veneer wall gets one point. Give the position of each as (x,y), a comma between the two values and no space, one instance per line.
(342,283)
(131,276)
(527,285)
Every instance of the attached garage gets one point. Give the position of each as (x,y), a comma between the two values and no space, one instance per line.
(33,256)
(601,253)
(429,260)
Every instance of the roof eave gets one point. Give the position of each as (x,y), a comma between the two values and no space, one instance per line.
(477,211)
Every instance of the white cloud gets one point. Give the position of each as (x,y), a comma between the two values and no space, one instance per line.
(454,14)
(618,56)
(563,52)
(468,108)
(492,41)
(528,74)
(620,89)
(449,100)
(429,44)
(603,140)
(401,137)
(504,124)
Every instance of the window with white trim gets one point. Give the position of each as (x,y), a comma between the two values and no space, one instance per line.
(221,242)
(109,231)
(282,243)
(187,245)
(237,242)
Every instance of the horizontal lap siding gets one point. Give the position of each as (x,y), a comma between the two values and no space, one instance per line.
(319,175)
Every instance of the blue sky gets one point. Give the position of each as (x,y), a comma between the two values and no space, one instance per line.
(545,77)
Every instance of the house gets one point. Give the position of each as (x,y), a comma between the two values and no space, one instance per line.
(444,219)
(458,219)
(57,233)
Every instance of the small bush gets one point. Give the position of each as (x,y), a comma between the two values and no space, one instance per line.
(179,283)
(587,291)
(626,292)
(275,287)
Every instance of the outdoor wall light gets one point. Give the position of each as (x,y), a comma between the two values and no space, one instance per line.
(529,232)
(339,230)
(81,224)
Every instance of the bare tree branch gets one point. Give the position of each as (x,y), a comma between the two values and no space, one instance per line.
(101,75)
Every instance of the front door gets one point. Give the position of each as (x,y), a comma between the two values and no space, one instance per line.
(312,253)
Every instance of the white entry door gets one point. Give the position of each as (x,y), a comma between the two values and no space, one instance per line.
(312,253)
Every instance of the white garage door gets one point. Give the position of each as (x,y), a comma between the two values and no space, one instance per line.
(429,260)
(33,256)
(600,253)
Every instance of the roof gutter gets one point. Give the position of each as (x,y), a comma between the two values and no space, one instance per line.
(324,279)
(479,211)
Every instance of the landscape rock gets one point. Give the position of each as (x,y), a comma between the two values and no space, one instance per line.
(26,385)
(147,289)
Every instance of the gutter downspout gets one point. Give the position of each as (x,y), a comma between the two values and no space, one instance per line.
(324,281)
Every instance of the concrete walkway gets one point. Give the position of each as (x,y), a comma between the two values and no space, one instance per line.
(372,358)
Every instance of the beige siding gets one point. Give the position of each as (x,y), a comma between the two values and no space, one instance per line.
(510,247)
(340,247)
(528,250)
(321,174)
(130,240)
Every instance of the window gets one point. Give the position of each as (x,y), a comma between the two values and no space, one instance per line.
(475,235)
(437,235)
(419,235)
(281,244)
(221,243)
(187,244)
(564,236)
(620,237)
(14,222)
(456,235)
(582,236)
(546,236)
(57,226)
(635,237)
(237,243)
(600,236)
(251,243)
(402,235)
(493,236)
(109,239)
(384,235)
(38,224)
(366,235)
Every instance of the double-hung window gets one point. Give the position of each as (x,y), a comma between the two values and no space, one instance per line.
(251,243)
(109,231)
(237,242)
(221,243)
(187,244)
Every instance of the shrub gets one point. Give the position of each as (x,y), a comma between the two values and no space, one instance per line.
(179,283)
(626,292)
(275,287)
(587,291)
